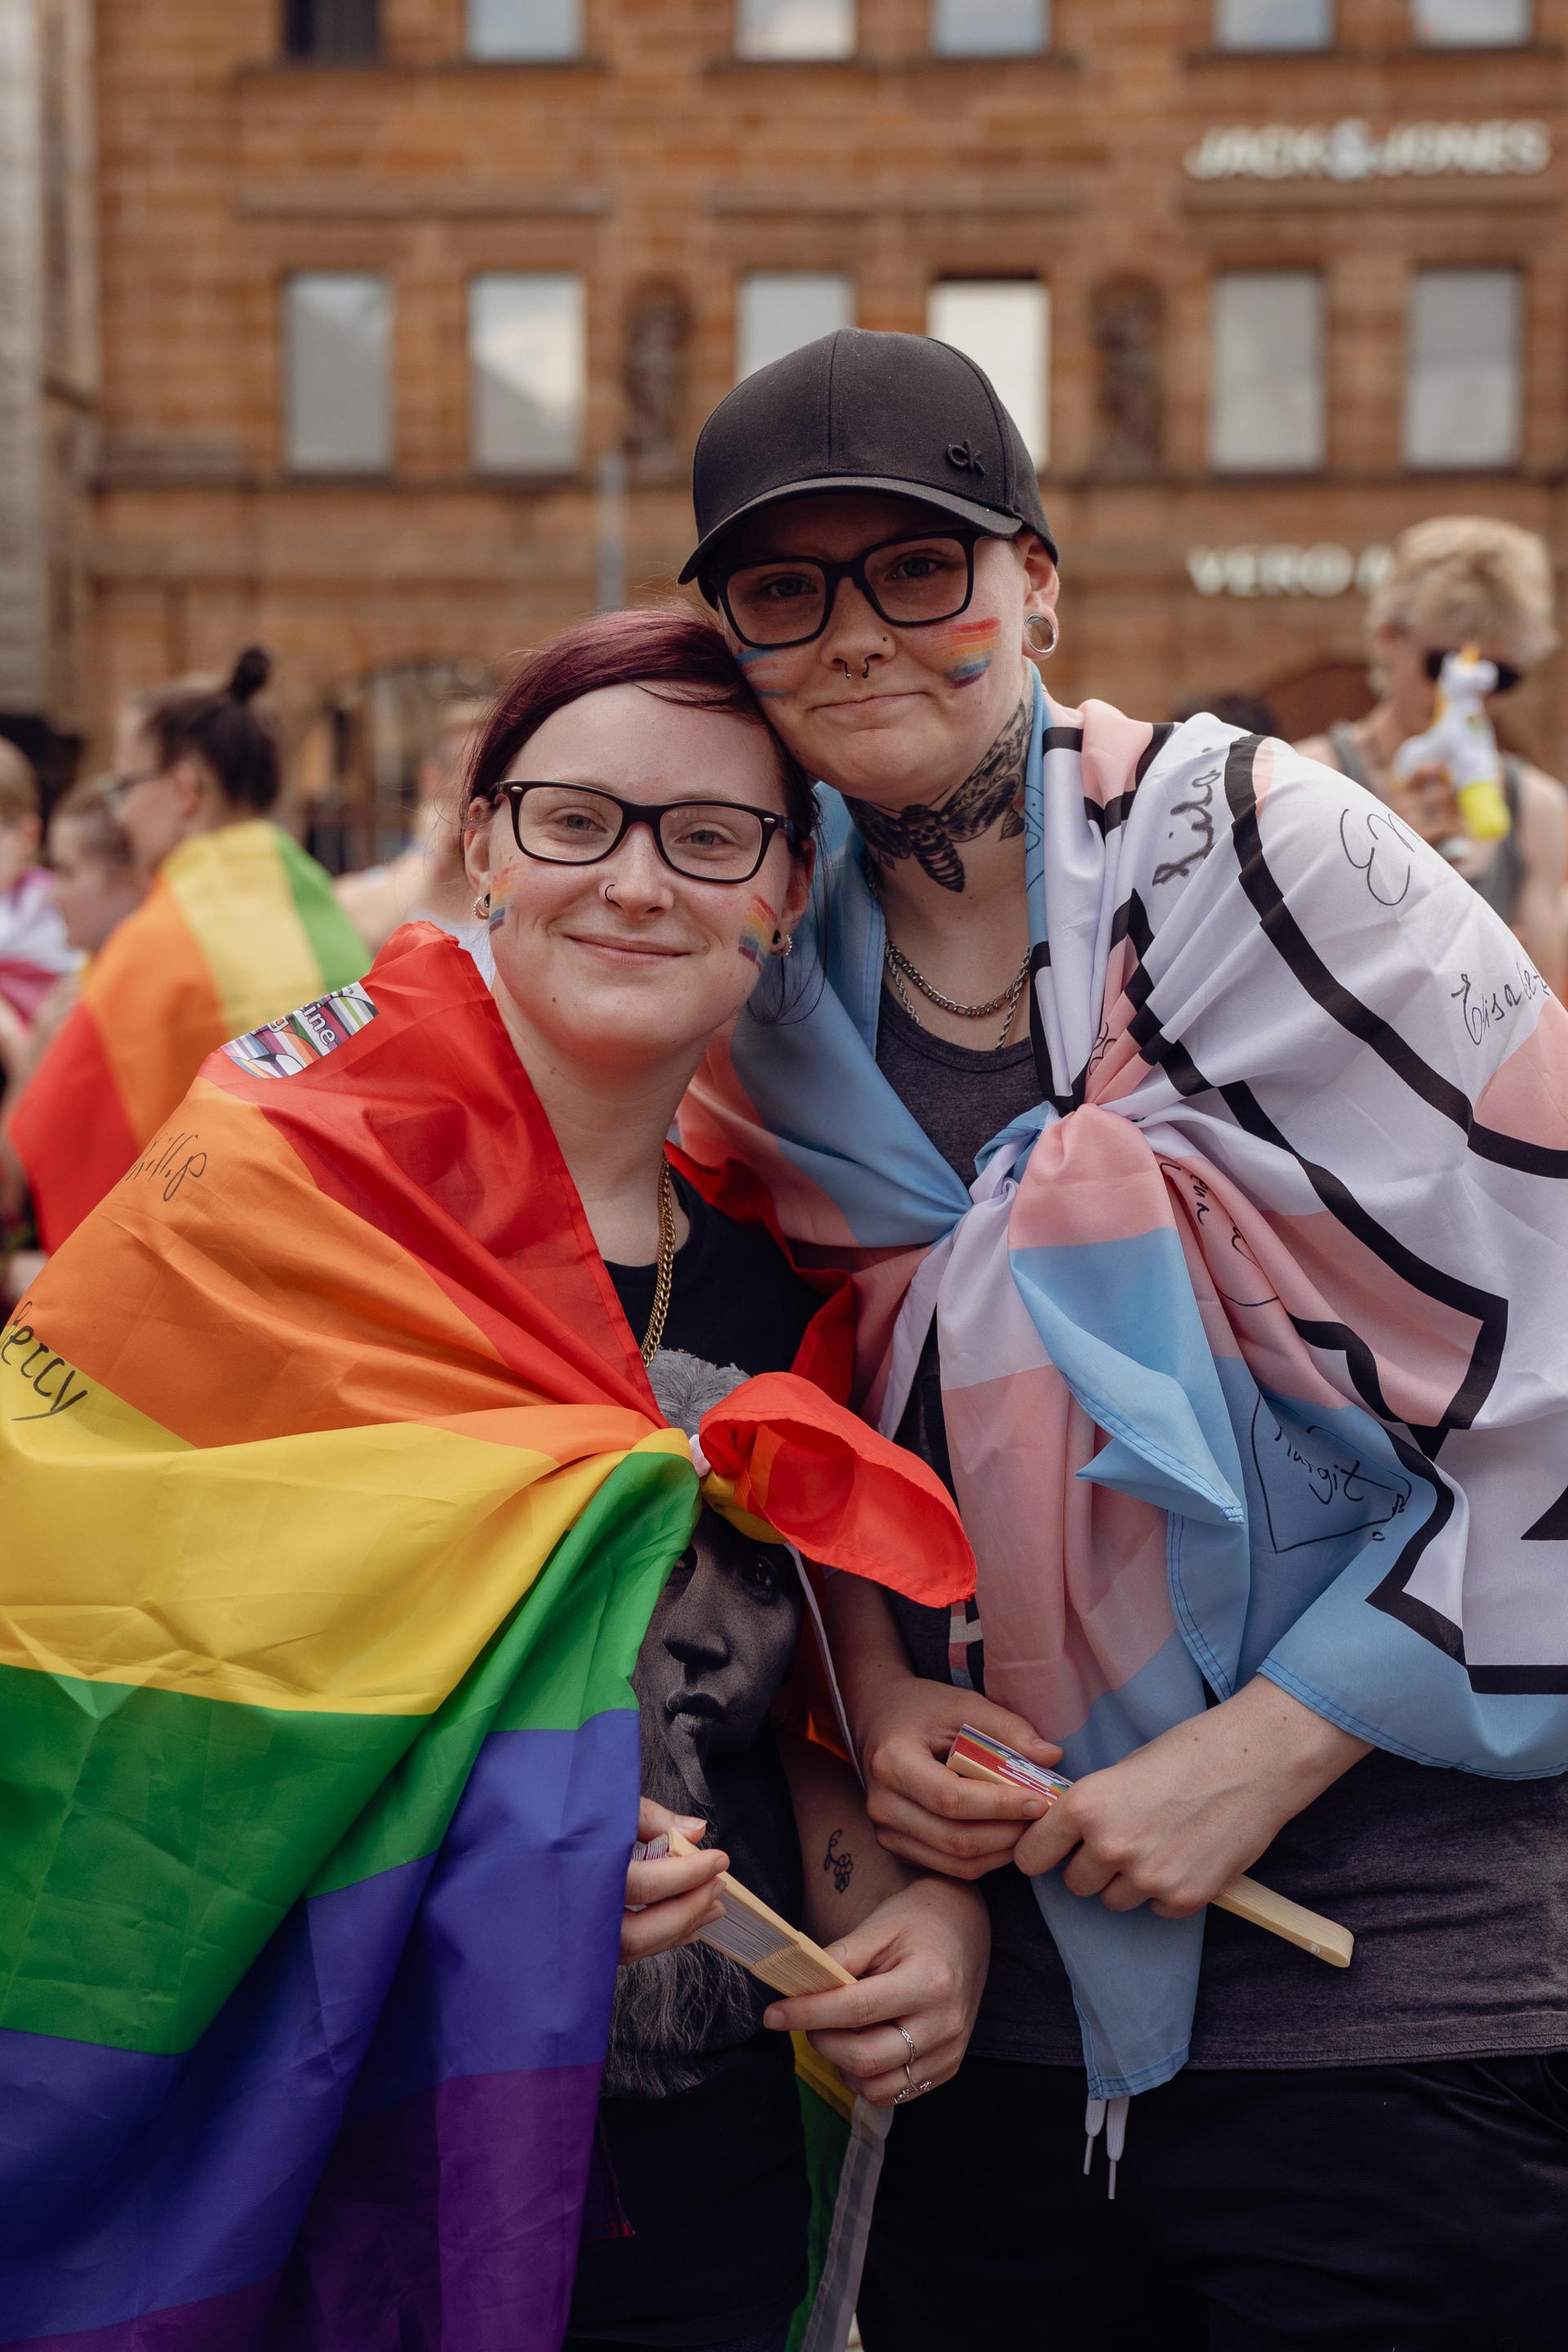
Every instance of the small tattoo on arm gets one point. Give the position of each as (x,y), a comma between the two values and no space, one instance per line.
(992,794)
(842,1865)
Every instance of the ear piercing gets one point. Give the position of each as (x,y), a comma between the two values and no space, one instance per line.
(784,943)
(482,907)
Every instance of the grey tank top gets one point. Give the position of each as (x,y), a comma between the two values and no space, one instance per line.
(1501,878)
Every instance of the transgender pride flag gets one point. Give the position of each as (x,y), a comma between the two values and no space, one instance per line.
(1253,1352)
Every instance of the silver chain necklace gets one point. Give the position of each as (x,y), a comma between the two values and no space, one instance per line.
(899,967)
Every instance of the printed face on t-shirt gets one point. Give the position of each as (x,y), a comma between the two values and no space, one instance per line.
(714,1657)
(718,1648)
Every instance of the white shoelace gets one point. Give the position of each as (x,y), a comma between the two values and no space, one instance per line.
(1109,2116)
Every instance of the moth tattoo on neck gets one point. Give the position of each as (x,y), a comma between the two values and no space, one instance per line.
(931,834)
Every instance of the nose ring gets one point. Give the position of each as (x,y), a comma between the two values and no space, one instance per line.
(864,667)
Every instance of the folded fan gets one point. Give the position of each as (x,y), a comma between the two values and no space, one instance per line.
(977,1756)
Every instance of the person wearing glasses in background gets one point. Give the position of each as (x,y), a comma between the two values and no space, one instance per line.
(1198,1142)
(1456,581)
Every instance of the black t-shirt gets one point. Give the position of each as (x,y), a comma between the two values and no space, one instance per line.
(1455,1886)
(699,2129)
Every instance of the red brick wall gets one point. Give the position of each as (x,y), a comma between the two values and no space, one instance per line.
(658,155)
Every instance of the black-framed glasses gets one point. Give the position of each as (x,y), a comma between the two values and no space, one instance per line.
(580,824)
(1508,678)
(908,581)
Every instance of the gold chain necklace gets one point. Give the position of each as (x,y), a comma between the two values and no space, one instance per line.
(664,1279)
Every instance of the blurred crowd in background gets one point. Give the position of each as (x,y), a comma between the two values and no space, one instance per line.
(198,756)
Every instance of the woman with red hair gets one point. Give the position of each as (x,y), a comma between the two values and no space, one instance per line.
(401,1152)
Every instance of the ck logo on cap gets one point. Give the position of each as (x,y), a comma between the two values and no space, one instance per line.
(967,460)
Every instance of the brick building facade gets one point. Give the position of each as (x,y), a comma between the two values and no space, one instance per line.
(48,370)
(1127,165)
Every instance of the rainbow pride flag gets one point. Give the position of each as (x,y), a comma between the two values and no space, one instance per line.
(239,925)
(338,1504)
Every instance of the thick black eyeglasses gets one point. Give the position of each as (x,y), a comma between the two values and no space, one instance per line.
(1508,678)
(580,824)
(908,583)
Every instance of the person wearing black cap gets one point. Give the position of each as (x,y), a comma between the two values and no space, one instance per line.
(1005,945)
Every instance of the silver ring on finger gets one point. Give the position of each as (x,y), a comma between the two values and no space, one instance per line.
(909,2041)
(911,2090)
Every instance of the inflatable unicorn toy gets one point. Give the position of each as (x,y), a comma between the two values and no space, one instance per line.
(1461,743)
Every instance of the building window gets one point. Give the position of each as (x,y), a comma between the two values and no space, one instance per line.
(525,28)
(779,310)
(794,28)
(527,370)
(1472,23)
(331,29)
(989,28)
(337,335)
(1267,373)
(1003,324)
(1462,370)
(1273,24)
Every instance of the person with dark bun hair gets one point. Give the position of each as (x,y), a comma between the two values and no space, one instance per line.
(240,923)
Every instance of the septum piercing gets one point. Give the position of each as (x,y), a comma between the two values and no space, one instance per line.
(864,667)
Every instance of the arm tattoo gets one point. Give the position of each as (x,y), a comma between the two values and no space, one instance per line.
(842,1865)
(993,791)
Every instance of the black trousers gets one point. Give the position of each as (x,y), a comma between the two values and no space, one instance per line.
(1370,2209)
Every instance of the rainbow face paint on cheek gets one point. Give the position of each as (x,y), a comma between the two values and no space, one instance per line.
(971,649)
(763,679)
(503,890)
(756,938)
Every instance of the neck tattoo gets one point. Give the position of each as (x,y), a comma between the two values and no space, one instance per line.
(992,792)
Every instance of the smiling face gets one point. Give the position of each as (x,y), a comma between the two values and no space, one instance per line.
(892,715)
(623,967)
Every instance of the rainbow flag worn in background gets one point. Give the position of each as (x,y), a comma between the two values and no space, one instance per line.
(338,1504)
(239,925)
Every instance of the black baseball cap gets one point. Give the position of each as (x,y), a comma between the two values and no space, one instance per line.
(862,411)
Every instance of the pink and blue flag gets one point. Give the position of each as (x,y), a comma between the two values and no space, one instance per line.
(1253,1356)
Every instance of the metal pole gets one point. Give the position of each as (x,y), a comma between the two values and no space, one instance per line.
(610,551)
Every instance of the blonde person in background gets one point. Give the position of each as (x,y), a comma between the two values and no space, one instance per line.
(94,880)
(237,925)
(1462,580)
(425,882)
(33,950)
(93,885)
